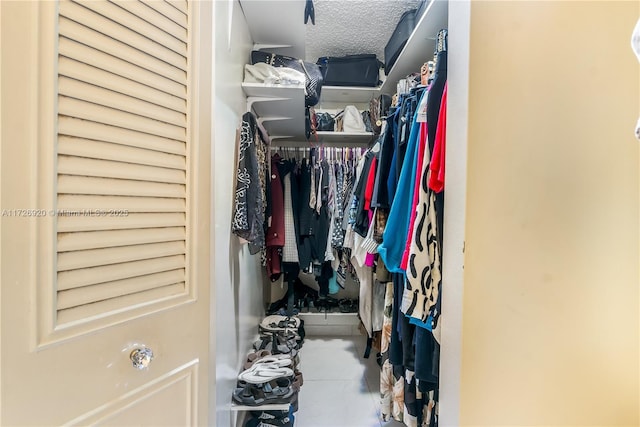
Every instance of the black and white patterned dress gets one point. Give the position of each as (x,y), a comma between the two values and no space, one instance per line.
(423,268)
(250,187)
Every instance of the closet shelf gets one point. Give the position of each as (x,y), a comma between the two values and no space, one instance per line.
(269,407)
(280,109)
(348,94)
(420,46)
(274,91)
(330,323)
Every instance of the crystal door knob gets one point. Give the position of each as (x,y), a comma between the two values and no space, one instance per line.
(141,357)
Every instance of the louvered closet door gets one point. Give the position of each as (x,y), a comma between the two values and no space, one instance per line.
(110,191)
(122,156)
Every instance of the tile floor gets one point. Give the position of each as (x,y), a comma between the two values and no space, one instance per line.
(341,388)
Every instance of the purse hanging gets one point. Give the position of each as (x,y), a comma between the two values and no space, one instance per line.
(378,109)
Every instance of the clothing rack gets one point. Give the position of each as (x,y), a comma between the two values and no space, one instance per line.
(324,152)
(315,153)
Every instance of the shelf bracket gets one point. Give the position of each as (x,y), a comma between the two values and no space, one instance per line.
(255,99)
(272,119)
(260,46)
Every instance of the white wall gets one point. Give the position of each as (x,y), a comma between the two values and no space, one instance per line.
(237,279)
(455,208)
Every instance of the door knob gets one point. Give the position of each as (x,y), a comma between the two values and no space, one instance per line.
(141,357)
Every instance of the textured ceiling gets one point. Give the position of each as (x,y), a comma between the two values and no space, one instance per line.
(349,27)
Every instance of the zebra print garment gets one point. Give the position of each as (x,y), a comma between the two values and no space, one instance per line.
(423,269)
(250,186)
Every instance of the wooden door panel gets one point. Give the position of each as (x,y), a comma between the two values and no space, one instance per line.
(169,400)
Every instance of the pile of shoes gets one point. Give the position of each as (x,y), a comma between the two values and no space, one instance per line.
(270,373)
(348,305)
(326,304)
(304,296)
(286,328)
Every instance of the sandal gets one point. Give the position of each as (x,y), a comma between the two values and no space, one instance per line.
(279,360)
(277,348)
(252,357)
(270,419)
(251,361)
(254,395)
(266,342)
(263,373)
(279,323)
(278,387)
(283,312)
(278,344)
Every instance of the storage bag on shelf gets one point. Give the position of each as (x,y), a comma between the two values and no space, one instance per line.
(398,39)
(351,70)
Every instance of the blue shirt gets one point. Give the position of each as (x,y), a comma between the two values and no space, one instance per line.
(397,228)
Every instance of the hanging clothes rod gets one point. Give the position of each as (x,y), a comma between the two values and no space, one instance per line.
(320,153)
(332,150)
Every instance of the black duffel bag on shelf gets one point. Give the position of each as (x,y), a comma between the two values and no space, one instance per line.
(312,72)
(350,70)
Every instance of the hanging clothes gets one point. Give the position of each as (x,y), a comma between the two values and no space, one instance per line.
(423,157)
(250,203)
(413,147)
(290,250)
(313,236)
(433,114)
(392,248)
(305,217)
(436,179)
(424,275)
(337,238)
(380,197)
(275,238)
(321,218)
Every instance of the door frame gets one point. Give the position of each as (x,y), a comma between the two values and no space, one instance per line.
(455,208)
